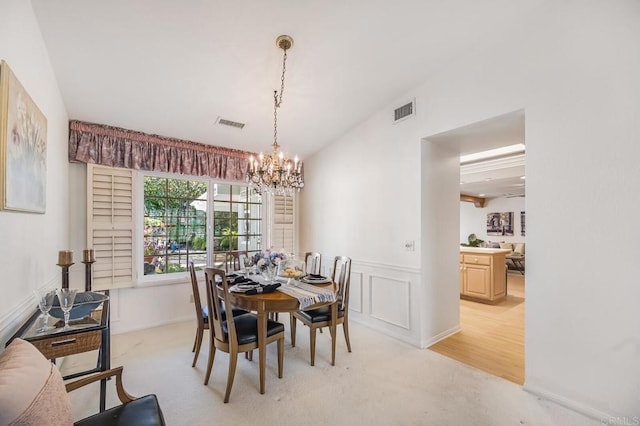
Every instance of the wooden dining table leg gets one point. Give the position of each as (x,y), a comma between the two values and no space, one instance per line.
(334,320)
(262,343)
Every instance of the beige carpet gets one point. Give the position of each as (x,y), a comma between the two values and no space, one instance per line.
(383,382)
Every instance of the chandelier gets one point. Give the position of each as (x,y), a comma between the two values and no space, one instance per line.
(274,173)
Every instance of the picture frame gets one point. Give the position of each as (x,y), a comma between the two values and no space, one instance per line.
(494,225)
(23,147)
(500,223)
(522,224)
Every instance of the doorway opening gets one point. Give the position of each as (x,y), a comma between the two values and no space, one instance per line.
(491,334)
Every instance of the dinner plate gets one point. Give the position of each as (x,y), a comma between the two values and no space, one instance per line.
(245,287)
(311,280)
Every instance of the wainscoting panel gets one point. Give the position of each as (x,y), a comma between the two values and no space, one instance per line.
(355,291)
(390,301)
(386,298)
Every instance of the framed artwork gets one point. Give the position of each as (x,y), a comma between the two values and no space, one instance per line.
(500,223)
(493,224)
(23,147)
(522,217)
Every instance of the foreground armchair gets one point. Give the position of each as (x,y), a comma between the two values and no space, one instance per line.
(32,392)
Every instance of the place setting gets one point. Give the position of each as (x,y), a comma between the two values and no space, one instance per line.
(242,284)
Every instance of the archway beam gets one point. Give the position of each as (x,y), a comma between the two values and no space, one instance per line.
(477,201)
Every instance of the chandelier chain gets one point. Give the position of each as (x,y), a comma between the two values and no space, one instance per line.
(278,100)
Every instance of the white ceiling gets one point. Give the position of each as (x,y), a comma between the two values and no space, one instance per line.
(172,67)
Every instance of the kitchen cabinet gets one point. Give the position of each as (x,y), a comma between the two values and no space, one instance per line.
(483,274)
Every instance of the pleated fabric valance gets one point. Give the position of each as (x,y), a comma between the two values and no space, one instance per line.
(117,147)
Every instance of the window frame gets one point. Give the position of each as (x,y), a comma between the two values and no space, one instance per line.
(181,277)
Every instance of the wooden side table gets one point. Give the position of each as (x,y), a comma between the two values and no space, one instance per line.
(86,334)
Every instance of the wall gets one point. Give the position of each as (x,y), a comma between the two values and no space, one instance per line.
(573,67)
(473,220)
(30,242)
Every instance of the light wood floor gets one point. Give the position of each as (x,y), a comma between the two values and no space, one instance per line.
(492,336)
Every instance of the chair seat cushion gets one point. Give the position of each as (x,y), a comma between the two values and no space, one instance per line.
(236,312)
(144,411)
(247,328)
(319,315)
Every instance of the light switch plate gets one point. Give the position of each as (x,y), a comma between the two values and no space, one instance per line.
(410,245)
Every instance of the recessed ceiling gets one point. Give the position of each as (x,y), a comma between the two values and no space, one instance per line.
(495,177)
(171,68)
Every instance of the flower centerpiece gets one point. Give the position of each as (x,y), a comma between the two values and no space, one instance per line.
(267,262)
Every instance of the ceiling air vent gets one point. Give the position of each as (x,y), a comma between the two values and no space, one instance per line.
(229,123)
(404,112)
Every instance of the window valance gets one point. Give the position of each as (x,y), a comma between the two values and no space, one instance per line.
(117,147)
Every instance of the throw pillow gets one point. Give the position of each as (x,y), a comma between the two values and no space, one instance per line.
(31,388)
(506,246)
(519,249)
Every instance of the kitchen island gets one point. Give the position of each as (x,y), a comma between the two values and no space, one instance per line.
(483,274)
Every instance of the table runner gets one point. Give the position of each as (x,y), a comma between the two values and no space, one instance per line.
(308,294)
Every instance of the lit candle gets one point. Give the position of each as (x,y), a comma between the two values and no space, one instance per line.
(295,164)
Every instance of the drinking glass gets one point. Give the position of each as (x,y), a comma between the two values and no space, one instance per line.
(45,301)
(248,266)
(66,297)
(269,273)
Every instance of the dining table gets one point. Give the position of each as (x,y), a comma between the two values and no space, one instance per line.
(265,303)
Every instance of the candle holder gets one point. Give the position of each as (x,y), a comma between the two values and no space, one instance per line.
(87,274)
(65,274)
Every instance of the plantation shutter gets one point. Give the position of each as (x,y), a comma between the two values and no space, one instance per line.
(283,237)
(110,225)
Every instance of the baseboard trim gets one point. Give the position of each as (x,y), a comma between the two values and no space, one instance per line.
(116,328)
(441,336)
(568,403)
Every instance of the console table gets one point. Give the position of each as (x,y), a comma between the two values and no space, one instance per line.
(84,335)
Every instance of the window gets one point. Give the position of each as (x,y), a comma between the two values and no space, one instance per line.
(177,220)
(237,220)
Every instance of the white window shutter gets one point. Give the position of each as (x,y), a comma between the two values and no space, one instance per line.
(110,230)
(283,229)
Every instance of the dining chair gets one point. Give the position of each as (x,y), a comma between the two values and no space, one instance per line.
(232,261)
(236,333)
(317,318)
(202,313)
(312,262)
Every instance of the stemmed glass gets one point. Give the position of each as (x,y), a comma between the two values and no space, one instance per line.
(45,301)
(248,266)
(66,297)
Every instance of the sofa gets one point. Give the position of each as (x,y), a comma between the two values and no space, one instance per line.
(515,260)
